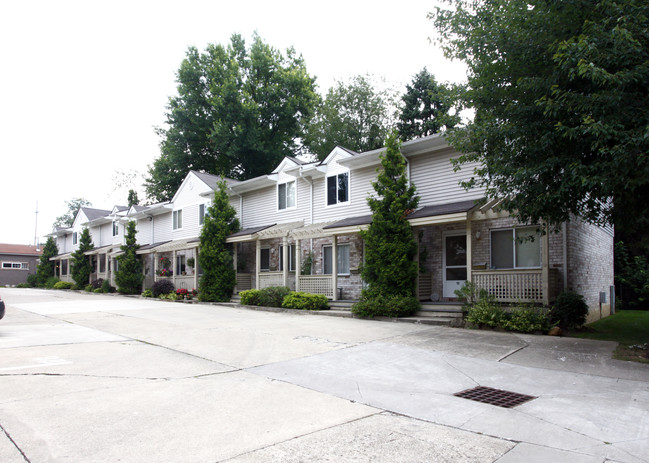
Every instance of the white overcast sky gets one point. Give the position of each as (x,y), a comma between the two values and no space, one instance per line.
(84,83)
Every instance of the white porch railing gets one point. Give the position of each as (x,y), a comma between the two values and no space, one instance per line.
(185,282)
(511,285)
(267,279)
(425,285)
(317,284)
(244,282)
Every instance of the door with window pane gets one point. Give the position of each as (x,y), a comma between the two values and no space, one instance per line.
(454,263)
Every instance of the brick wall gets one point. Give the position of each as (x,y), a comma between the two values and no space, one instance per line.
(590,264)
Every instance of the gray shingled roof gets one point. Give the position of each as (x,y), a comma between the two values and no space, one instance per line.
(350,222)
(251,230)
(94,214)
(212,180)
(443,209)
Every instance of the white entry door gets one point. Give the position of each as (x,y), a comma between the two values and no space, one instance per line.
(454,262)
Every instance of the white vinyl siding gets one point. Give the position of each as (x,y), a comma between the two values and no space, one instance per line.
(436,181)
(259,207)
(360,182)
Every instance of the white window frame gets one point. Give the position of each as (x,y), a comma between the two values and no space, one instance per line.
(15,265)
(514,266)
(339,246)
(286,186)
(261,268)
(180,264)
(177,219)
(203,212)
(115,228)
(349,190)
(291,257)
(75,238)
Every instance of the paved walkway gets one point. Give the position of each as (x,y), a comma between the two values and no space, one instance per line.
(96,378)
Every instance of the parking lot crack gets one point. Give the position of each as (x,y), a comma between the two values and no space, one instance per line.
(4,431)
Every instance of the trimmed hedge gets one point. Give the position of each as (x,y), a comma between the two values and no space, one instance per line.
(386,306)
(305,301)
(272,296)
(569,310)
(63,285)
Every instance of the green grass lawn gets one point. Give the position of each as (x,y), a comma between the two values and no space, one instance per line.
(630,328)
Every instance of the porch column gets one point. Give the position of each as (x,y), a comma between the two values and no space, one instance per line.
(469,240)
(257,263)
(545,265)
(155,266)
(173,267)
(417,259)
(334,265)
(143,258)
(285,255)
(235,264)
(196,269)
(298,265)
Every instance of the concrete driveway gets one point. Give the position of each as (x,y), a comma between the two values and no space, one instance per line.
(93,378)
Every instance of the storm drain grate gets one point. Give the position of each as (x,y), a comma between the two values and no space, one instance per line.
(498,397)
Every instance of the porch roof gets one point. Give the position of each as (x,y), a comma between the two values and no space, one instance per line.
(264,232)
(177,245)
(100,250)
(149,248)
(349,225)
(443,213)
(313,230)
(247,234)
(65,255)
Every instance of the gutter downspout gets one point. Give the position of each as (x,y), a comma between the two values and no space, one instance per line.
(564,229)
(310,182)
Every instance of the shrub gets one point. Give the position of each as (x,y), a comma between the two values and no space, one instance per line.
(378,305)
(469,293)
(569,310)
(305,301)
(96,284)
(51,281)
(526,320)
(63,285)
(32,280)
(89,288)
(164,286)
(147,293)
(106,287)
(273,296)
(485,312)
(250,297)
(23,285)
(169,297)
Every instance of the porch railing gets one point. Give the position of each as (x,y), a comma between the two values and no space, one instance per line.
(185,282)
(317,284)
(511,285)
(267,279)
(244,282)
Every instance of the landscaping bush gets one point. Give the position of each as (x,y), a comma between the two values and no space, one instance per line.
(305,301)
(162,287)
(378,305)
(169,297)
(32,280)
(147,293)
(23,285)
(96,284)
(485,312)
(106,287)
(569,310)
(63,285)
(51,281)
(526,320)
(89,288)
(273,296)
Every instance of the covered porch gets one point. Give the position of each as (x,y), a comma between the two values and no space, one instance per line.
(176,261)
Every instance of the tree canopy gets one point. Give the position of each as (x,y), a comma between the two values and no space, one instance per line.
(428,107)
(239,110)
(560,93)
(67,219)
(354,114)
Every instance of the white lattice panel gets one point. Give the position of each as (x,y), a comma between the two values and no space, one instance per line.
(511,286)
(271,279)
(317,284)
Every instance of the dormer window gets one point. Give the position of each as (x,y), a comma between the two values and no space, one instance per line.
(286,195)
(338,189)
(115,228)
(177,217)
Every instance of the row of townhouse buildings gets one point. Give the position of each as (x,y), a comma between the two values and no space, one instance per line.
(306,218)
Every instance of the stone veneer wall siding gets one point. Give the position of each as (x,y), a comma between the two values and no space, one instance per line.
(352,283)
(590,264)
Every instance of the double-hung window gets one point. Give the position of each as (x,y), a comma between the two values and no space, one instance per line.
(343,259)
(286,195)
(202,213)
(177,217)
(515,248)
(338,189)
(115,228)
(74,238)
(264,261)
(291,258)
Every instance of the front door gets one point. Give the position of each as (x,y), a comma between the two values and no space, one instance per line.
(454,263)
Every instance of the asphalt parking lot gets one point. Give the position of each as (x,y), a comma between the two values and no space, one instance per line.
(94,378)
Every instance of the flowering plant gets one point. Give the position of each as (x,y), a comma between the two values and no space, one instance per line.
(165,272)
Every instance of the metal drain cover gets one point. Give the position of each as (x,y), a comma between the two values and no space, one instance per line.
(498,397)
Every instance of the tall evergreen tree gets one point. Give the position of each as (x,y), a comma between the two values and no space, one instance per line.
(80,266)
(46,266)
(427,107)
(129,275)
(389,268)
(215,256)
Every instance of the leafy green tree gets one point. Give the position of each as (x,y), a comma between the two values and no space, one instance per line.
(239,111)
(80,265)
(46,267)
(428,107)
(132,198)
(354,114)
(560,92)
(67,219)
(129,274)
(389,267)
(215,256)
